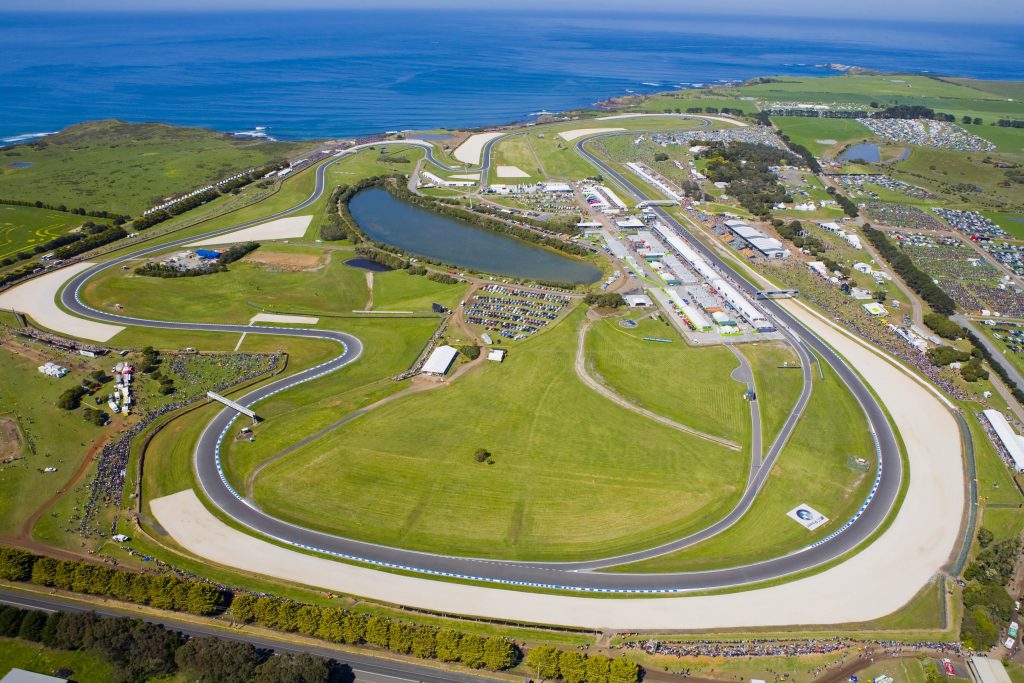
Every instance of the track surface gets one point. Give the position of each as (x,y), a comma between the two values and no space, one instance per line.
(576,576)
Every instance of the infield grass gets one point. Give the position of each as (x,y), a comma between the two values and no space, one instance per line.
(23,227)
(815,468)
(574,475)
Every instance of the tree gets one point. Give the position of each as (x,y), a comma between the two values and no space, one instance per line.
(243,607)
(471,650)
(49,638)
(378,630)
(300,668)
(482,455)
(598,669)
(211,660)
(985,537)
(16,564)
(353,628)
(660,156)
(447,649)
(266,612)
(43,571)
(544,661)
(470,351)
(287,615)
(400,637)
(499,653)
(32,626)
(573,666)
(931,673)
(307,621)
(71,398)
(424,642)
(330,626)
(138,650)
(10,621)
(624,671)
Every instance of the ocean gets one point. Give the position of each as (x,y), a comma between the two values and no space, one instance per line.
(316,74)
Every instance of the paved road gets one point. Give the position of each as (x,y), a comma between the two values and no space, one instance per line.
(569,575)
(363,667)
(997,353)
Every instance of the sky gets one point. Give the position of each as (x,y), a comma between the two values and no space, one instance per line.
(975,11)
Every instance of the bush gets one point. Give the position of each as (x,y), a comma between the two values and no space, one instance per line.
(71,398)
(604,300)
(943,326)
(482,455)
(470,351)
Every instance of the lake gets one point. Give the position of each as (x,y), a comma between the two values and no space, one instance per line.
(426,233)
(864,151)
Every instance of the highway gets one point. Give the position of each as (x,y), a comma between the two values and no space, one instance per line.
(578,576)
(363,667)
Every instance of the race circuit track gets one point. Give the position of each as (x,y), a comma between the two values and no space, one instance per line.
(577,576)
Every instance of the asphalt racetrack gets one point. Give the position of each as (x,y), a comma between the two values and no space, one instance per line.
(578,576)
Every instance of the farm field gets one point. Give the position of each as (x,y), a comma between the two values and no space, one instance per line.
(23,227)
(817,467)
(551,492)
(125,168)
(690,385)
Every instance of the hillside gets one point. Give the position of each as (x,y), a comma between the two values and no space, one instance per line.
(126,167)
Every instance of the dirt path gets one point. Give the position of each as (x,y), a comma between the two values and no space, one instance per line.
(586,378)
(369,291)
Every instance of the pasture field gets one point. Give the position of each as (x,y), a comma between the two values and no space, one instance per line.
(516,150)
(885,90)
(124,167)
(54,437)
(23,227)
(943,171)
(690,385)
(808,131)
(816,467)
(231,296)
(716,98)
(23,654)
(397,290)
(406,474)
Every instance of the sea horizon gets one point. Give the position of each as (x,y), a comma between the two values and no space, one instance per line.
(357,72)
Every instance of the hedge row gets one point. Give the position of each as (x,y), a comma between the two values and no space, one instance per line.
(342,626)
(163,591)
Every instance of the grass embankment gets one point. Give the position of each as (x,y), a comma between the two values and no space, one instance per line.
(690,385)
(126,168)
(817,467)
(23,227)
(560,488)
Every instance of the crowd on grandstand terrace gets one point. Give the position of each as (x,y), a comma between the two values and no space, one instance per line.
(928,133)
(779,647)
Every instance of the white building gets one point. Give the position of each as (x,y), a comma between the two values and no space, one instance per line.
(637,300)
(440,361)
(53,370)
(1010,440)
(496,355)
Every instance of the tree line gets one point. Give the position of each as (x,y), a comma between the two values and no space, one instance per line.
(162,591)
(746,167)
(117,218)
(333,624)
(139,651)
(571,666)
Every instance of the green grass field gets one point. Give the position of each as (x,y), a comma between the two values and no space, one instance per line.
(56,438)
(22,227)
(816,467)
(809,131)
(405,474)
(690,385)
(777,387)
(231,296)
(125,168)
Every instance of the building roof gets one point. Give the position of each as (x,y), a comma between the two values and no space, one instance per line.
(637,299)
(1013,443)
(496,355)
(22,676)
(440,360)
(987,670)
